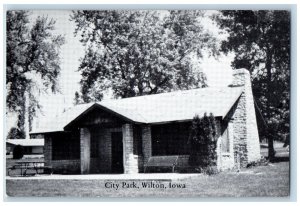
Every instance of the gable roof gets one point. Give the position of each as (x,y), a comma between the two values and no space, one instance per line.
(158,108)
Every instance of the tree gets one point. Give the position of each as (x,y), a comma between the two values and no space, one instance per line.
(77,98)
(32,63)
(203,141)
(261,43)
(135,53)
(15,133)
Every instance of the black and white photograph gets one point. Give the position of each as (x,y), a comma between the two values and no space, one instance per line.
(147,103)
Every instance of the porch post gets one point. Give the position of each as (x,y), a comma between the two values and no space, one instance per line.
(146,143)
(129,160)
(85,150)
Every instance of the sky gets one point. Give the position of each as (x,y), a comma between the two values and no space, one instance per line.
(218,72)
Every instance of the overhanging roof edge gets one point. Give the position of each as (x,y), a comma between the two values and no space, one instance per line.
(104,108)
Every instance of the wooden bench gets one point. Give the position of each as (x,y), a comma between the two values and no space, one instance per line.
(159,162)
(183,166)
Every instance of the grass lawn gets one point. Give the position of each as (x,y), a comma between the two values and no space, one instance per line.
(271,181)
(261,181)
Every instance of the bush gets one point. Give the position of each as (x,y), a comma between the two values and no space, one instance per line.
(261,162)
(209,170)
(18,152)
(203,140)
(15,133)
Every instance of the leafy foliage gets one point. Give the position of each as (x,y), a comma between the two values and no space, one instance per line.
(15,133)
(77,98)
(203,140)
(134,53)
(261,43)
(32,56)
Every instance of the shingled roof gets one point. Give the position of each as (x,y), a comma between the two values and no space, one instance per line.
(157,108)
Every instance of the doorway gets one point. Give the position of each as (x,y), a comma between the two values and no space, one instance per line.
(117,152)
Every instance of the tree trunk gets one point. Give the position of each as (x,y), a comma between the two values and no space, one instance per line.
(21,120)
(271,151)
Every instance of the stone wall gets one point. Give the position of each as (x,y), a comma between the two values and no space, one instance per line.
(220,156)
(242,127)
(130,160)
(246,140)
(146,143)
(227,158)
(85,150)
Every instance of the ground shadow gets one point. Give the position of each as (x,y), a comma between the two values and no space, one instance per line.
(280,159)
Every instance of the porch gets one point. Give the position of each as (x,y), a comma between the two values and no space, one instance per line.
(99,149)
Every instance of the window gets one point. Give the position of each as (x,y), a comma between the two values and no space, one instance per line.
(66,146)
(225,141)
(170,139)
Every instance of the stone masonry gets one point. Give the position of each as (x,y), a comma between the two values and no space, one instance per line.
(85,150)
(246,140)
(226,158)
(130,160)
(146,143)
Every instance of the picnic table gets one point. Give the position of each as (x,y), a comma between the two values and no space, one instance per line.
(32,165)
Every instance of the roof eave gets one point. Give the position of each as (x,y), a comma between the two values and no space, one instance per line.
(95,105)
(232,104)
(175,121)
(48,132)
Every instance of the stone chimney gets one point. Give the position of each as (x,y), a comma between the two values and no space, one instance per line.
(246,139)
(241,77)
